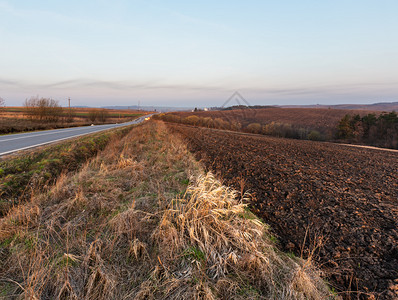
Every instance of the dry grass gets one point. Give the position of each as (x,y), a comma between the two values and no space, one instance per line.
(212,247)
(35,171)
(121,229)
(14,119)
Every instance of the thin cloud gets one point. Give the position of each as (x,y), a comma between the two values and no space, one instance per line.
(324,89)
(89,84)
(8,82)
(124,85)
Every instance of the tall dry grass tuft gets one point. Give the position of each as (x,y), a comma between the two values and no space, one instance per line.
(208,241)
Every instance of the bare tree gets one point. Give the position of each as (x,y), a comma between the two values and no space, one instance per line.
(93,114)
(2,103)
(43,109)
(103,115)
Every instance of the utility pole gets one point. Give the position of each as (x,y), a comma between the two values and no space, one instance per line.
(70,114)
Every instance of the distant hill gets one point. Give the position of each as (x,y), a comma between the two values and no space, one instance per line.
(382,106)
(244,107)
(151,108)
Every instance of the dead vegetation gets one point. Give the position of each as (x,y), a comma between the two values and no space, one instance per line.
(123,228)
(212,247)
(33,117)
(35,171)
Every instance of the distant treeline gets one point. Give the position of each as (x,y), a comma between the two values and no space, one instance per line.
(371,129)
(381,131)
(274,128)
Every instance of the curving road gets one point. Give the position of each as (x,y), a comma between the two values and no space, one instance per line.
(21,141)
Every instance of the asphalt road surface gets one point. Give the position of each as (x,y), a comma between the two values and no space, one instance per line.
(21,141)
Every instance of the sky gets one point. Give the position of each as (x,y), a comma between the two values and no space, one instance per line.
(197,53)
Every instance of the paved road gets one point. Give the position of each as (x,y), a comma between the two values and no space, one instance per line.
(21,141)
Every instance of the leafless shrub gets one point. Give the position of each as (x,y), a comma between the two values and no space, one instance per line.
(43,109)
(93,114)
(103,115)
(100,115)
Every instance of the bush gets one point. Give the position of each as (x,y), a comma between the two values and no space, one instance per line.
(302,133)
(277,129)
(207,122)
(254,128)
(169,118)
(221,124)
(191,120)
(236,126)
(315,136)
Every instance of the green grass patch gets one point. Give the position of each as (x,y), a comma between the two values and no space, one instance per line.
(249,292)
(67,260)
(194,253)
(247,214)
(273,239)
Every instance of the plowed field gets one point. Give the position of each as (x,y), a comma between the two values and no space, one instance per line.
(349,196)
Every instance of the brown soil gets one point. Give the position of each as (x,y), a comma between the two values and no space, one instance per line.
(309,189)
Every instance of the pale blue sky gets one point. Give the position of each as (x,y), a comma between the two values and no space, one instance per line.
(184,53)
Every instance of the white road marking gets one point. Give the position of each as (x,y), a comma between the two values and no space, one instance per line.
(53,141)
(99,127)
(41,134)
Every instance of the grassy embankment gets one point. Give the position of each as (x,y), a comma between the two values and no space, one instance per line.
(24,175)
(141,221)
